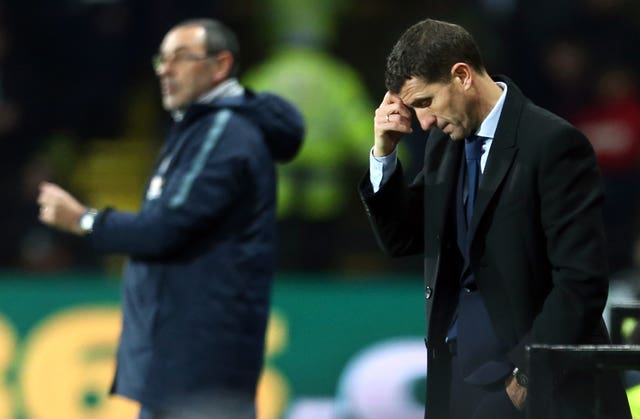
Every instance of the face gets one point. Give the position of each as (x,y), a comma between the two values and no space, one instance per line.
(185,71)
(446,105)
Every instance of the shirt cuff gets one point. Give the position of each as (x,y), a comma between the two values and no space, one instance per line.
(381,168)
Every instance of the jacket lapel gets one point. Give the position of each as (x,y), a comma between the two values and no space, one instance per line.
(441,162)
(501,155)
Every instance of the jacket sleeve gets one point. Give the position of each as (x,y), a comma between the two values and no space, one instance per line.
(395,213)
(197,196)
(571,198)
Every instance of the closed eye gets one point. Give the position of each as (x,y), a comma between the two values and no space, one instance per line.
(421,103)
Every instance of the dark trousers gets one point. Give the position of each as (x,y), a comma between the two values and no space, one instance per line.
(468,401)
(214,408)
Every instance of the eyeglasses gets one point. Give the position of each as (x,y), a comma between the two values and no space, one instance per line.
(179,57)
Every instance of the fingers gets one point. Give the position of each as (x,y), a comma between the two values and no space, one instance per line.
(391,122)
(48,191)
(392,114)
(45,201)
(59,209)
(517,394)
(393,105)
(390,98)
(45,214)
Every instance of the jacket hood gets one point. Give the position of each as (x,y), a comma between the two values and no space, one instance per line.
(280,121)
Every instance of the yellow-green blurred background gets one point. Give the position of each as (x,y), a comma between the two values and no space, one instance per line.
(79,105)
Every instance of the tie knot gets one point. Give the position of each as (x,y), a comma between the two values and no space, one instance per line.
(473,147)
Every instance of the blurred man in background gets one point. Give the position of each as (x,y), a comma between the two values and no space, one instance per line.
(507,213)
(201,250)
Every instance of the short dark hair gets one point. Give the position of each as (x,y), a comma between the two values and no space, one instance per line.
(428,50)
(218,37)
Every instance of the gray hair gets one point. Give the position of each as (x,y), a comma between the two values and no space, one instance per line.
(218,37)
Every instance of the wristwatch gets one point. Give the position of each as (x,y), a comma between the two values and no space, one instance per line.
(521,377)
(87,219)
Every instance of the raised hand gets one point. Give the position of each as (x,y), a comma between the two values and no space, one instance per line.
(391,123)
(59,209)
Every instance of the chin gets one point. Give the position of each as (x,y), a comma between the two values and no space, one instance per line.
(169,105)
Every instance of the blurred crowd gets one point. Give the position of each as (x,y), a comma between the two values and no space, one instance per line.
(79,105)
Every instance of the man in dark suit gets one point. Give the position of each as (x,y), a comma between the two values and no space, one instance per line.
(507,213)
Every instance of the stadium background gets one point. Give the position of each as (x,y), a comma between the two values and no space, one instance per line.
(79,105)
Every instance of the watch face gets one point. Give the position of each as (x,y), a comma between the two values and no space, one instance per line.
(86,221)
(522,379)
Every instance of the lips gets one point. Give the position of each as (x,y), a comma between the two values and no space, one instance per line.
(167,88)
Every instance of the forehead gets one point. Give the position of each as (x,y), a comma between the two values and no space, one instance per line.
(184,37)
(416,88)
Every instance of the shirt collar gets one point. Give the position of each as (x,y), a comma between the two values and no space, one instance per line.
(229,87)
(488,127)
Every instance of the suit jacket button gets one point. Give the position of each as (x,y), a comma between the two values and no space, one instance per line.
(427,293)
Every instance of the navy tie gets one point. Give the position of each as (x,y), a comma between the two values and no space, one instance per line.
(473,153)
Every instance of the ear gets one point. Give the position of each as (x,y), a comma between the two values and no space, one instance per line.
(222,65)
(462,75)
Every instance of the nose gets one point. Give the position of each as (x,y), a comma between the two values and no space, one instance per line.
(426,118)
(161,68)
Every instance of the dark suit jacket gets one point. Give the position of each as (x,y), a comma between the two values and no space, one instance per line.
(537,245)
